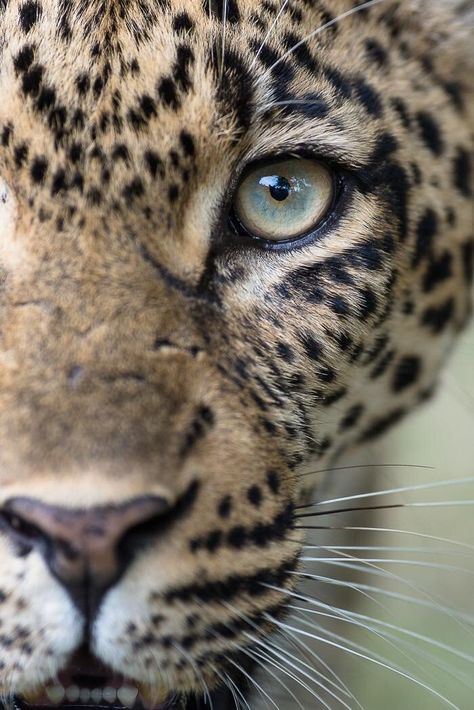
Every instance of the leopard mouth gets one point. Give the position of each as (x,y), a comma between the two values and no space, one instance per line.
(86,684)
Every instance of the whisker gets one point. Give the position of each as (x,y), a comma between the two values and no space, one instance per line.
(366,657)
(252,680)
(389,506)
(408,632)
(255,639)
(268,35)
(391,560)
(282,657)
(356,467)
(360,587)
(401,489)
(345,616)
(268,660)
(225,7)
(400,531)
(318,31)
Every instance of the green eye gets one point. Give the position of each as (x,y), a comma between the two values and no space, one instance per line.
(284,199)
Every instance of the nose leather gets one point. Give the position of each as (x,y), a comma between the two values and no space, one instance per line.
(81,546)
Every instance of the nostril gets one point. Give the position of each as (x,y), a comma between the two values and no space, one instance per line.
(20,528)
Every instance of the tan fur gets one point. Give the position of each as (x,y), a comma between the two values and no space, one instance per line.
(91,411)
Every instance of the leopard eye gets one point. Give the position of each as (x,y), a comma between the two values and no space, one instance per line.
(284,199)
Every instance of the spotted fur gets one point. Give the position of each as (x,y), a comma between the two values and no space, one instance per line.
(145,352)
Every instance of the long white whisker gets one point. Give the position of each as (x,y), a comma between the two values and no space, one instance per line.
(366,657)
(391,560)
(277,648)
(267,36)
(318,31)
(390,491)
(283,656)
(225,7)
(393,640)
(352,617)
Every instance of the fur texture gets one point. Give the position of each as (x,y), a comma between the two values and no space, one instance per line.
(143,351)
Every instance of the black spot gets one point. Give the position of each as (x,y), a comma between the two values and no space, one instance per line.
(352,417)
(24,59)
(173,193)
(380,426)
(425,231)
(167,93)
(430,132)
(436,318)
(462,172)
(182,22)
(382,366)
(217,8)
(235,94)
(224,508)
(6,135)
(326,374)
(299,50)
(368,97)
(338,81)
(375,52)
(20,154)
(255,496)
(213,540)
(184,59)
(311,345)
(83,84)
(406,373)
(273,481)
(237,537)
(187,143)
(153,163)
(147,106)
(438,270)
(339,305)
(39,167)
(45,100)
(59,182)
(367,302)
(402,110)
(30,12)
(285,351)
(133,190)
(32,80)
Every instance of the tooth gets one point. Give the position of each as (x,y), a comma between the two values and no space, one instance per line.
(127,696)
(72,693)
(109,694)
(56,694)
(84,695)
(96,696)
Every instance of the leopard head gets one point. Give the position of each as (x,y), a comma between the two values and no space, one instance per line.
(235,240)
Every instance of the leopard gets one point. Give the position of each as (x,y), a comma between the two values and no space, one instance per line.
(236,241)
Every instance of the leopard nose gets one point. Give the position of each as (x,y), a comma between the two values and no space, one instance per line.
(86,550)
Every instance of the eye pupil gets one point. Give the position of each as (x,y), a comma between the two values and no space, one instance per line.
(280,188)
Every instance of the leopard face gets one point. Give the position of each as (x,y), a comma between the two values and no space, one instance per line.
(164,374)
